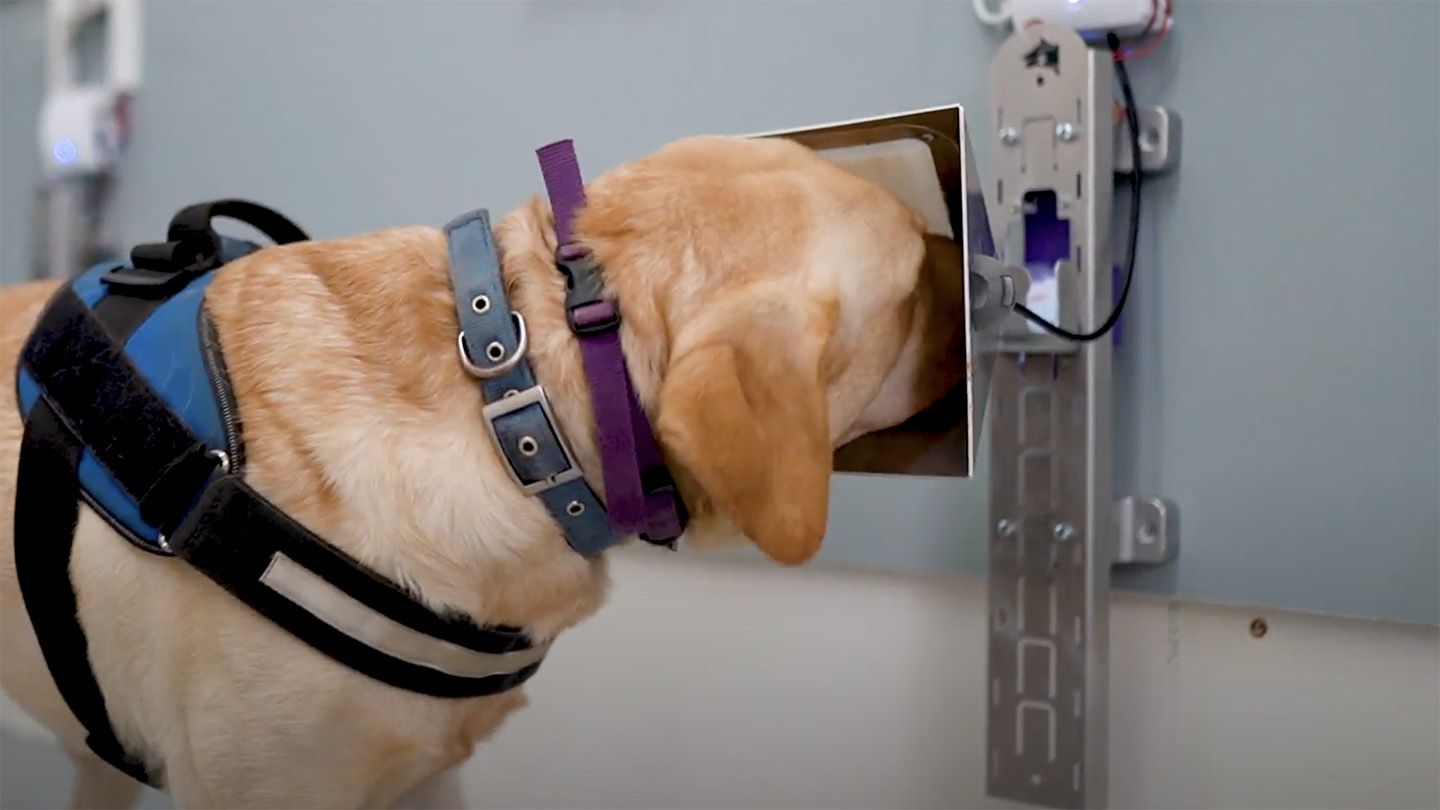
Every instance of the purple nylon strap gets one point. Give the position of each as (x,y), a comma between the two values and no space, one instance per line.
(563,184)
(629,454)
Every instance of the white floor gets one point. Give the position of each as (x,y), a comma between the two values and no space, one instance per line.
(710,684)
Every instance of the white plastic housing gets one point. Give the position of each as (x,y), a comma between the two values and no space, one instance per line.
(78,130)
(1092,18)
(78,134)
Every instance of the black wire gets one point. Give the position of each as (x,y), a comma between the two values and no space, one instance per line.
(1133,117)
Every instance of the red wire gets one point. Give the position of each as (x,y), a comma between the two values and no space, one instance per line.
(1150,48)
(1121,54)
(1127,54)
(1154,15)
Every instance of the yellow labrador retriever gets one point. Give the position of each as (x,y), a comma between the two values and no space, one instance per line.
(775,307)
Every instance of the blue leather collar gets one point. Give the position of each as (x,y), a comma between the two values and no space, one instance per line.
(493,343)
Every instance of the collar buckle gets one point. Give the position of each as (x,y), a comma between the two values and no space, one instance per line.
(506,406)
(670,512)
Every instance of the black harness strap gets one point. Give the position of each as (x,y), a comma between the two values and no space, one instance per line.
(47,507)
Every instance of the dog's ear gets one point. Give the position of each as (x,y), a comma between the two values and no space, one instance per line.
(743,412)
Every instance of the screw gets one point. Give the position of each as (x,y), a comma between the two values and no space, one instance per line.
(1064,532)
(1148,534)
(1259,628)
(1067,131)
(1009,136)
(1006,527)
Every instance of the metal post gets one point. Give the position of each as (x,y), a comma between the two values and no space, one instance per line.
(63,229)
(1050,547)
(1058,528)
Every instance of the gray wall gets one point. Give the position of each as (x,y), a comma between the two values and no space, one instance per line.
(22,85)
(1280,375)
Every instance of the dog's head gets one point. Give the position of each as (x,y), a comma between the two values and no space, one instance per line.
(800,307)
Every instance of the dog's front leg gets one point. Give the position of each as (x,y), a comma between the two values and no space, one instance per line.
(99,786)
(439,792)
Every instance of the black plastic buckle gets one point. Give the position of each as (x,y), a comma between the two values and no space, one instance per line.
(162,269)
(657,480)
(586,309)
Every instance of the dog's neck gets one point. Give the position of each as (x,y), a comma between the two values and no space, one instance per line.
(371,435)
(535,287)
(393,463)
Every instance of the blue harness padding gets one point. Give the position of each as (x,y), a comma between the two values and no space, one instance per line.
(168,351)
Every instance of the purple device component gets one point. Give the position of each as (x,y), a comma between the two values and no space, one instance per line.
(1047,241)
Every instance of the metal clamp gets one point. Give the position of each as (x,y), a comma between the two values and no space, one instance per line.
(1160,136)
(1059,529)
(1147,531)
(1051,440)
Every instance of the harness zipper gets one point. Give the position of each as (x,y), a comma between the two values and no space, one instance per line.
(220,382)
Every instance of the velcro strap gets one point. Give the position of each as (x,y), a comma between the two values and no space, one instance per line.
(106,403)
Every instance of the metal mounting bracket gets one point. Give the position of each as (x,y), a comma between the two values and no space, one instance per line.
(1160,137)
(1058,530)
(1147,531)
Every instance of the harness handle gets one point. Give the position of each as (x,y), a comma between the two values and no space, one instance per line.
(197,219)
(192,246)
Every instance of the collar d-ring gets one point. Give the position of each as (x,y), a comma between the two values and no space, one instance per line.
(503,366)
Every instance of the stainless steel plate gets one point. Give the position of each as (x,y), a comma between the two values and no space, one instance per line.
(924,157)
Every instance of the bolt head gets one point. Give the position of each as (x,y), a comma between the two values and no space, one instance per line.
(1067,131)
(1064,532)
(1009,136)
(1006,527)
